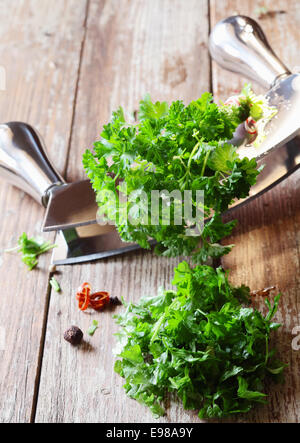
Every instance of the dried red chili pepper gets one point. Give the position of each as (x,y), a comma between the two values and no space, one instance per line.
(83,296)
(97,300)
(250,126)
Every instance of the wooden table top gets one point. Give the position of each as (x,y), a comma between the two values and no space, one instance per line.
(68,64)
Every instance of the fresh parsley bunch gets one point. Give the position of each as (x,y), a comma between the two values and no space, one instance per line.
(200,343)
(174,147)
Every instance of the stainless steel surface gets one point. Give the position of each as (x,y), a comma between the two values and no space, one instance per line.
(24,162)
(71,205)
(285,125)
(238,44)
(89,243)
(278,164)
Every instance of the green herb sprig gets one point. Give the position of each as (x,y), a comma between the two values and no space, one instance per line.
(31,249)
(92,329)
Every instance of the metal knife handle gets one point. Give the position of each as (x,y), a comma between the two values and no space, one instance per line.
(239,45)
(24,162)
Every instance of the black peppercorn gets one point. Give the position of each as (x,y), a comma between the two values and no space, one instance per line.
(114,301)
(73,335)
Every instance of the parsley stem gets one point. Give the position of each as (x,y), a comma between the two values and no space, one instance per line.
(177,157)
(188,167)
(204,164)
(192,155)
(12,249)
(117,176)
(267,350)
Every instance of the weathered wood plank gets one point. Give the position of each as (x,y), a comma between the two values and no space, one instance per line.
(132,47)
(267,236)
(40,47)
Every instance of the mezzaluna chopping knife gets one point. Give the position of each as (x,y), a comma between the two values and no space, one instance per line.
(237,44)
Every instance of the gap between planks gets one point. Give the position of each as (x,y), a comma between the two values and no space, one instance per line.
(48,294)
(87,9)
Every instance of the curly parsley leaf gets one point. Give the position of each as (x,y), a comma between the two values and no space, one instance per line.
(223,158)
(149,110)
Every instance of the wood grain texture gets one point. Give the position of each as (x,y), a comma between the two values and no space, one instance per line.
(65,75)
(132,47)
(267,236)
(40,51)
